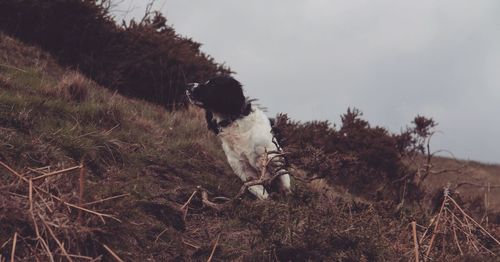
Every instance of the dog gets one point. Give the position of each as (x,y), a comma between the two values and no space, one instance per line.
(244,130)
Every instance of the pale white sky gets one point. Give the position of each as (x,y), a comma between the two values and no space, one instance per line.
(392,59)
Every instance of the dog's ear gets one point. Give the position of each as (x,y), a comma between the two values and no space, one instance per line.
(211,123)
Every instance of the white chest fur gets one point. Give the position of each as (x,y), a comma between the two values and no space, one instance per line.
(245,141)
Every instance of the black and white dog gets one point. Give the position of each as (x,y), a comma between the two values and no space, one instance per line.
(245,131)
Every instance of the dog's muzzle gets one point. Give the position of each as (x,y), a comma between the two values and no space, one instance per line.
(190,90)
(191,87)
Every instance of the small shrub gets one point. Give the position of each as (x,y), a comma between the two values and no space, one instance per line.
(367,160)
(146,59)
(74,86)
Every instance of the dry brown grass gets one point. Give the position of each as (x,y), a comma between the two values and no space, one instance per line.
(73,86)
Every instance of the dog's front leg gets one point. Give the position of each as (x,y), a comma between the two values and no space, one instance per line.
(277,165)
(259,191)
(245,173)
(285,184)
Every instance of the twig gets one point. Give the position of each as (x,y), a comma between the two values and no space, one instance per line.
(13,67)
(81,189)
(161,233)
(434,232)
(443,238)
(100,215)
(63,250)
(189,200)
(30,194)
(13,171)
(58,172)
(12,254)
(206,202)
(113,254)
(38,170)
(191,245)
(474,221)
(262,180)
(17,195)
(455,235)
(185,207)
(97,259)
(250,183)
(452,215)
(37,231)
(5,243)
(476,185)
(213,249)
(80,256)
(415,241)
(147,12)
(106,199)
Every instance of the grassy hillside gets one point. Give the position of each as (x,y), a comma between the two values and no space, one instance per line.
(126,146)
(141,164)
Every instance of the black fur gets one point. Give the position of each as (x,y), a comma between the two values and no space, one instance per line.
(222,95)
(211,123)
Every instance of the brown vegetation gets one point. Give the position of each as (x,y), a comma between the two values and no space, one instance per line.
(98,176)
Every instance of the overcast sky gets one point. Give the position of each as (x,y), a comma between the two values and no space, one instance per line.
(391,59)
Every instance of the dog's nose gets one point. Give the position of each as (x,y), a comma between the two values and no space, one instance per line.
(191,86)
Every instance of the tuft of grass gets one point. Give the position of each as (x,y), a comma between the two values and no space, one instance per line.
(74,86)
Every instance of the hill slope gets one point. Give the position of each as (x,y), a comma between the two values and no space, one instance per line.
(140,165)
(127,146)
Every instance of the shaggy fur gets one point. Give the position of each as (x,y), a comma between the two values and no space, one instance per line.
(245,131)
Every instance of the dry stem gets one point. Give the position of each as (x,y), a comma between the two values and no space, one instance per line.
(12,254)
(58,172)
(81,189)
(474,221)
(185,207)
(415,241)
(452,215)
(100,215)
(161,233)
(213,249)
(63,250)
(113,254)
(434,232)
(39,202)
(106,199)
(189,199)
(191,245)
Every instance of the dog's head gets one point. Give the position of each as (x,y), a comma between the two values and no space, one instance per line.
(221,94)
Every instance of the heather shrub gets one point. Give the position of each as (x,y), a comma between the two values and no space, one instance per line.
(367,160)
(145,59)
(73,86)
